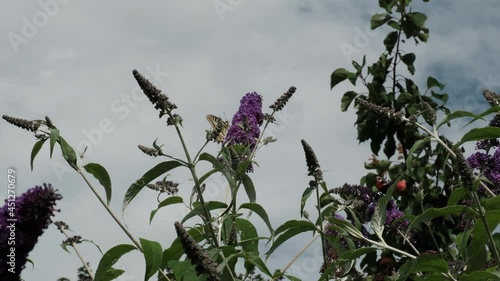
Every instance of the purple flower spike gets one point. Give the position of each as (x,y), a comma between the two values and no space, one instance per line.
(22,221)
(245,125)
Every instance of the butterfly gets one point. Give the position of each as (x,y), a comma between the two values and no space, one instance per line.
(382,184)
(218,124)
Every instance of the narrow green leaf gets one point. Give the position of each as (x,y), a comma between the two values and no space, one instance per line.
(425,263)
(259,211)
(307,193)
(249,188)
(68,152)
(169,201)
(480,134)
(36,148)
(493,109)
(150,175)
(288,230)
(480,276)
(432,213)
(104,271)
(100,173)
(198,210)
(152,255)
(347,99)
(354,254)
(492,203)
(250,257)
(54,136)
(347,227)
(455,115)
(183,270)
(415,146)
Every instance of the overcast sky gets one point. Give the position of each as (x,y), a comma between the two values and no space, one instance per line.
(72,60)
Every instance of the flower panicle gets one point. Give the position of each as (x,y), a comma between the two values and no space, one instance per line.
(154,95)
(428,112)
(389,113)
(149,150)
(492,98)
(280,103)
(313,166)
(204,263)
(30,125)
(464,170)
(168,187)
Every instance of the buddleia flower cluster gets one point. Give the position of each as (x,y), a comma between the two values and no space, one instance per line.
(30,217)
(486,162)
(245,124)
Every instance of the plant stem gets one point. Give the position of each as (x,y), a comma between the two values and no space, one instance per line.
(299,254)
(320,215)
(113,215)
(75,247)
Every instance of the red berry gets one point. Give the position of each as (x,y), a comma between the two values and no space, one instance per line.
(401,185)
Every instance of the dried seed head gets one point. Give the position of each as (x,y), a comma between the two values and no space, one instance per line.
(198,256)
(174,119)
(168,187)
(76,239)
(281,101)
(428,112)
(392,115)
(154,95)
(49,123)
(149,150)
(268,117)
(61,226)
(464,170)
(22,123)
(312,162)
(492,98)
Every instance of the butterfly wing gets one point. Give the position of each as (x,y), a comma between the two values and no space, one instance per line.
(217,123)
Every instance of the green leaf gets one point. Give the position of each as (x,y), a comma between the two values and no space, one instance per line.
(347,99)
(199,211)
(100,173)
(104,271)
(409,58)
(480,134)
(442,97)
(250,257)
(68,152)
(305,196)
(259,211)
(183,270)
(417,18)
(455,115)
(390,41)
(480,236)
(457,195)
(36,148)
(248,234)
(416,145)
(354,254)
(489,111)
(378,20)
(288,230)
(347,227)
(340,75)
(433,82)
(213,160)
(249,188)
(480,276)
(153,255)
(432,213)
(492,203)
(164,203)
(54,136)
(149,176)
(425,263)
